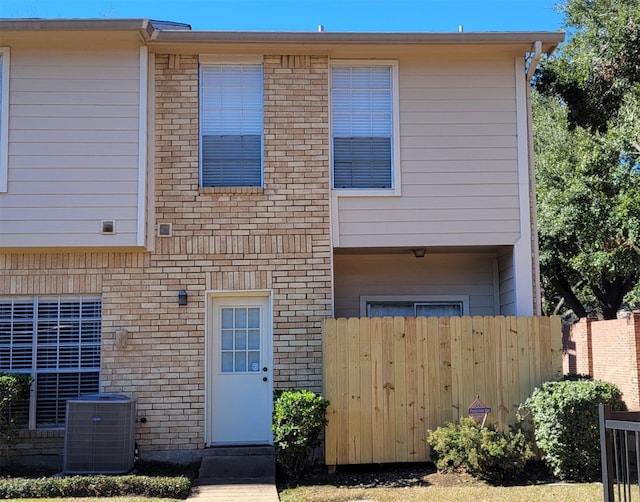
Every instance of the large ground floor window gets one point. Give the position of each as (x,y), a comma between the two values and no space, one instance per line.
(55,339)
(413,306)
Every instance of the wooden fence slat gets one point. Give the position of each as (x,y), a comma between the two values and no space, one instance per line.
(421,390)
(479,375)
(389,386)
(343,392)
(433,373)
(457,384)
(353,356)
(491,339)
(524,359)
(366,436)
(330,387)
(411,379)
(400,369)
(533,336)
(466,371)
(502,378)
(377,363)
(446,413)
(390,380)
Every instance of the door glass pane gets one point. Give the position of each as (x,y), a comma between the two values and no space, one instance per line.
(241,340)
(227,318)
(241,318)
(254,361)
(227,339)
(254,318)
(239,346)
(240,361)
(227,362)
(254,339)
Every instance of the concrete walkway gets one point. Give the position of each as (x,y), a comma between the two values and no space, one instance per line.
(238,492)
(236,475)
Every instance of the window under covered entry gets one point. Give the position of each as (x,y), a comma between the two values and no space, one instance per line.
(55,339)
(408,306)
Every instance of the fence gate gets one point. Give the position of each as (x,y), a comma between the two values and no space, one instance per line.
(620,454)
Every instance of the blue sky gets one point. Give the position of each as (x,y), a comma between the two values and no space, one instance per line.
(306,15)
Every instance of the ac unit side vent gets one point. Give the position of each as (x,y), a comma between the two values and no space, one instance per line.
(100,434)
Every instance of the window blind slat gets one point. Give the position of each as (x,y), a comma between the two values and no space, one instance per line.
(362,162)
(231,160)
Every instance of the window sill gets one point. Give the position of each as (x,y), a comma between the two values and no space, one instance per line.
(230,190)
(382,192)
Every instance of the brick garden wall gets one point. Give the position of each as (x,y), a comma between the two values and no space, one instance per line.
(276,237)
(609,351)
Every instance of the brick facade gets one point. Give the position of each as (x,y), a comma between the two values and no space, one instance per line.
(276,238)
(609,351)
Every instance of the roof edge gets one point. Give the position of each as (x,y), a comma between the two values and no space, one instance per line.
(549,39)
(168,31)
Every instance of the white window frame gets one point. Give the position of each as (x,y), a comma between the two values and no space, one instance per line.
(5,53)
(422,299)
(395,190)
(60,368)
(205,60)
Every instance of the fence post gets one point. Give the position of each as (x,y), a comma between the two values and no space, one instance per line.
(606,453)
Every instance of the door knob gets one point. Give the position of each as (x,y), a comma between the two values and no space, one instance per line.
(264,379)
(264,369)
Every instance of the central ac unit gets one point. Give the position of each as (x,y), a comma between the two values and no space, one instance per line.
(100,434)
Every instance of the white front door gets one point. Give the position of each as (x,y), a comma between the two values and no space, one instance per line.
(239,374)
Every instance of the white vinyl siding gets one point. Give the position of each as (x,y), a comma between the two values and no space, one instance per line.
(57,340)
(507,283)
(231,125)
(459,158)
(74,148)
(5,63)
(440,277)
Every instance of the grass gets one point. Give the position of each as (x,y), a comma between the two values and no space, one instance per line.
(583,492)
(422,482)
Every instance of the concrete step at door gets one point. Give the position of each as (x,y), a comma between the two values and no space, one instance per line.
(238,465)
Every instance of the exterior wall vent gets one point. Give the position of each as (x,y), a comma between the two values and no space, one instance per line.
(108,227)
(100,434)
(164,230)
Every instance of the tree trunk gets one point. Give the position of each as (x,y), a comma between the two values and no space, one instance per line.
(570,298)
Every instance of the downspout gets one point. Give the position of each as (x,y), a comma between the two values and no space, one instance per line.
(537,287)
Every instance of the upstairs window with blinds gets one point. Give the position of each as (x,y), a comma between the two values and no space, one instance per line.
(362,127)
(231,125)
(56,340)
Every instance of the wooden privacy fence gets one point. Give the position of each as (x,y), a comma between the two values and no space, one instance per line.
(389,380)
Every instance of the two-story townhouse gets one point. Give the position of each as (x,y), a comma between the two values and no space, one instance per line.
(180,210)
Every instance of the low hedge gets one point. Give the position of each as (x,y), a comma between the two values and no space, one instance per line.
(96,486)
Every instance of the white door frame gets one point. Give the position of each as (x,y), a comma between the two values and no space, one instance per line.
(212,297)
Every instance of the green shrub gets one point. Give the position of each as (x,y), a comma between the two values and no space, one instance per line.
(484,452)
(96,486)
(565,419)
(14,387)
(299,418)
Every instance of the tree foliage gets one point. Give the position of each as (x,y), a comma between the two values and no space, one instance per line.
(587,146)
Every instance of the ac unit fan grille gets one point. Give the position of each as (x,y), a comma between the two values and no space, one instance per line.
(99,436)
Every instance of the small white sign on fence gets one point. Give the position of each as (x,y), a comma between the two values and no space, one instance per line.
(478,410)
